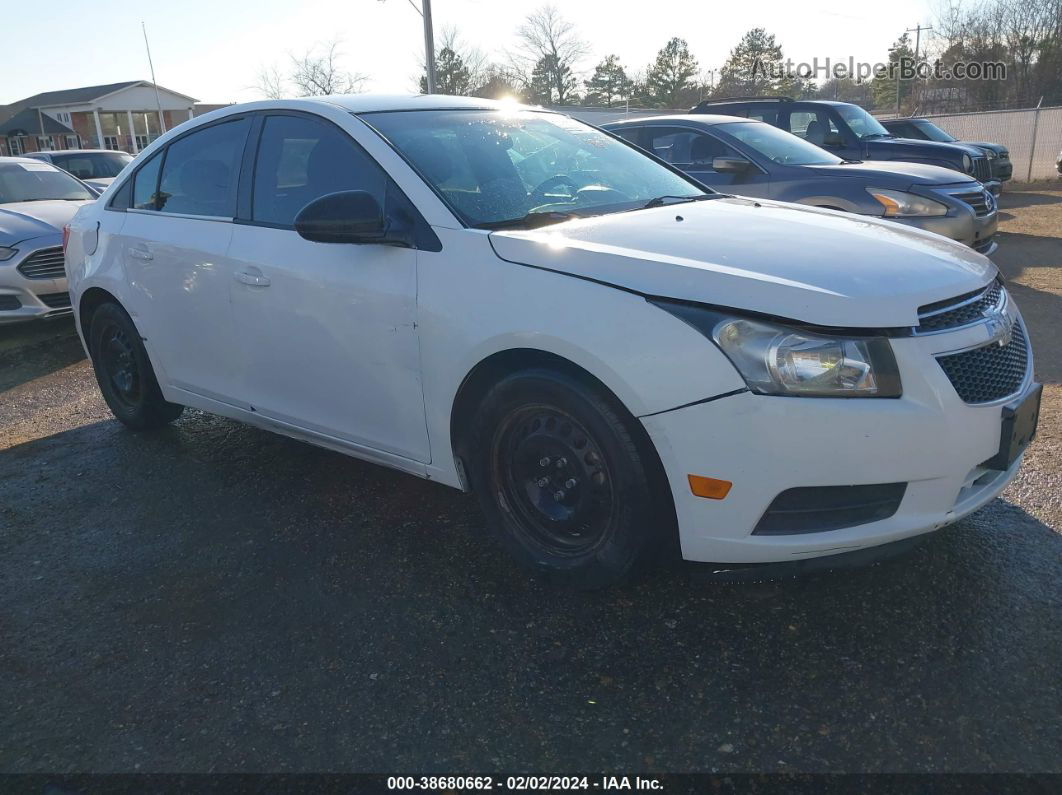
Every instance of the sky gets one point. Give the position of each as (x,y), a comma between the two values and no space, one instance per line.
(214,49)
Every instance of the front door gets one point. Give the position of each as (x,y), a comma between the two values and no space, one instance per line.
(328,330)
(175,243)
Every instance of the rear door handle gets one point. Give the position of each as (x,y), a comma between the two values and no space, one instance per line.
(141,253)
(252,278)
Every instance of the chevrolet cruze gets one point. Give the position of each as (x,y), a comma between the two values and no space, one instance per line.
(508,301)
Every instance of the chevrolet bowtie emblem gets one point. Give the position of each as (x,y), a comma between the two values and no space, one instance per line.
(1000,328)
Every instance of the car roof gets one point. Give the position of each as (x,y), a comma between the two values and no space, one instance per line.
(79,152)
(703,119)
(18,159)
(770,101)
(375,103)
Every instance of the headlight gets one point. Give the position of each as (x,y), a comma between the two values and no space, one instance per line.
(775,359)
(990,154)
(898,204)
(7,253)
(967,164)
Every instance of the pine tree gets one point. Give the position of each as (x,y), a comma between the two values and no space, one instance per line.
(552,82)
(669,80)
(451,75)
(884,86)
(755,68)
(608,84)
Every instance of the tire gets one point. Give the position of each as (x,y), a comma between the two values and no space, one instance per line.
(560,476)
(124,373)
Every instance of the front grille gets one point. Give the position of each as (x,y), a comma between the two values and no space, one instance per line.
(9,303)
(991,372)
(56,300)
(961,311)
(45,264)
(976,199)
(981,169)
(815,509)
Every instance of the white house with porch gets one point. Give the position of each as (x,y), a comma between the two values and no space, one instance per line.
(125,116)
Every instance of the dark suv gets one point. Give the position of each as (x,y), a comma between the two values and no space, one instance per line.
(851,133)
(925,130)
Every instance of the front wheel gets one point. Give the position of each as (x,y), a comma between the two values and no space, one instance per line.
(563,481)
(124,372)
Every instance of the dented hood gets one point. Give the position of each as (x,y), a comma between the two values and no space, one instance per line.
(817,266)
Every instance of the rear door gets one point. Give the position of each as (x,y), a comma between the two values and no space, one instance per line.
(694,151)
(328,330)
(175,243)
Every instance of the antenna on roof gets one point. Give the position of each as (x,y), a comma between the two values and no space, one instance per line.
(158,102)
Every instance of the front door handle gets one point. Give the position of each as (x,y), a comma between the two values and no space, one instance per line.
(253,278)
(141,253)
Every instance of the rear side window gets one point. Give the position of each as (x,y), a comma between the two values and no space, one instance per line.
(682,146)
(202,171)
(145,184)
(301,159)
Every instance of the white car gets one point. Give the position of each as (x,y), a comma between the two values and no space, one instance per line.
(506,300)
(95,167)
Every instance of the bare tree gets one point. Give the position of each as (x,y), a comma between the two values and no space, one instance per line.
(317,72)
(270,83)
(550,50)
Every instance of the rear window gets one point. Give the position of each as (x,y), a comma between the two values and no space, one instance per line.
(93,165)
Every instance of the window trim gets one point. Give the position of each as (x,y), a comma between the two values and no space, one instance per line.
(427,239)
(164,150)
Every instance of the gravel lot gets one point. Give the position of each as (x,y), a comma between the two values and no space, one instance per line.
(216,598)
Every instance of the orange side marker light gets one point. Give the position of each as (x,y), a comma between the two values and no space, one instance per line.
(712,488)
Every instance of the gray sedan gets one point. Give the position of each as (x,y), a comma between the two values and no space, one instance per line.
(751,158)
(36,201)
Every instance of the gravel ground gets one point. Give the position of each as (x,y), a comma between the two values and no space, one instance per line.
(216,598)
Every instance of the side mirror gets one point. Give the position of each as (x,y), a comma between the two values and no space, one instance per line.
(730,165)
(833,140)
(350,216)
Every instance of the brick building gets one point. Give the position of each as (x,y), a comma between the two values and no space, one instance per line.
(117,116)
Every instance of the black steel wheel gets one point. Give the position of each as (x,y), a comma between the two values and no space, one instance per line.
(124,373)
(562,475)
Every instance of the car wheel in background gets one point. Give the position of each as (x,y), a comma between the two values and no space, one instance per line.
(124,372)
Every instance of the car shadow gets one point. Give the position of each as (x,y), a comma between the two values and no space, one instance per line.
(1009,200)
(320,613)
(35,349)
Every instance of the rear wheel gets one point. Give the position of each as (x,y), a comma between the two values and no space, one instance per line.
(562,480)
(124,373)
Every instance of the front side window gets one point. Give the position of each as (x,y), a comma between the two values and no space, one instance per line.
(494,166)
(93,165)
(38,181)
(778,145)
(302,159)
(682,146)
(812,125)
(146,183)
(202,169)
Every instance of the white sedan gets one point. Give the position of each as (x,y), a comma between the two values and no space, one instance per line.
(506,300)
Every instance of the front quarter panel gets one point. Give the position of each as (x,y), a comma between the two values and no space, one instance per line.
(473,304)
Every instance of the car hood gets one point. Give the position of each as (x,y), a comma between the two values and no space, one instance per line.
(945,151)
(22,220)
(816,266)
(99,182)
(894,173)
(997,148)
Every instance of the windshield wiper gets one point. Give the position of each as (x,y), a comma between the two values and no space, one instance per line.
(660,201)
(530,221)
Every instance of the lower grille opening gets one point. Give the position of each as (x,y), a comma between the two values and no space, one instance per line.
(56,300)
(814,509)
(9,303)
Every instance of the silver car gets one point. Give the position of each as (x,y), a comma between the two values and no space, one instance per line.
(95,167)
(36,201)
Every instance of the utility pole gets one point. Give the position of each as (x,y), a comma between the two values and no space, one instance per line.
(917,30)
(158,102)
(429,41)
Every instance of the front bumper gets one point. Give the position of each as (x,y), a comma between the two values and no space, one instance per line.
(928,439)
(23,298)
(977,232)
